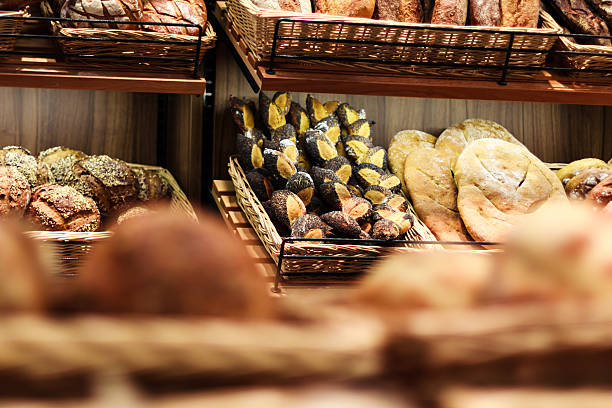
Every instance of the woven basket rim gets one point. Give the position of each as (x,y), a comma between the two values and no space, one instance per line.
(208,34)
(569,42)
(315,17)
(177,192)
(13,13)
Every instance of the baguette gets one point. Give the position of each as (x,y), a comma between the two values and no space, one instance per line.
(485,13)
(520,13)
(407,11)
(579,18)
(450,12)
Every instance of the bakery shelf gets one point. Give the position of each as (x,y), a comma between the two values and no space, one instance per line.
(48,73)
(546,87)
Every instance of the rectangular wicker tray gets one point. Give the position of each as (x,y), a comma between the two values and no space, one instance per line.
(316,38)
(69,248)
(143,49)
(594,57)
(272,241)
(10,26)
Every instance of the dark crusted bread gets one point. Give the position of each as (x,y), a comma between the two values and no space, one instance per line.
(14,192)
(60,160)
(174,11)
(150,185)
(62,208)
(577,16)
(167,263)
(110,182)
(118,10)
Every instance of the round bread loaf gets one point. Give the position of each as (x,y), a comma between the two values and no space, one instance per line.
(22,276)
(433,192)
(497,183)
(402,144)
(168,264)
(60,160)
(151,186)
(132,213)
(62,208)
(601,194)
(110,182)
(14,192)
(454,139)
(21,159)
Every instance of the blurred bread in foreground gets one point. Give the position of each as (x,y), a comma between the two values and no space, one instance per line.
(165,263)
(22,276)
(435,279)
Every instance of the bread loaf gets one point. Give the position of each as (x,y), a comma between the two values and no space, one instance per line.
(450,12)
(60,160)
(14,192)
(119,10)
(601,194)
(520,13)
(403,143)
(299,6)
(498,182)
(62,208)
(604,9)
(433,193)
(109,182)
(347,8)
(485,13)
(174,11)
(150,185)
(408,11)
(22,160)
(580,19)
(166,263)
(454,139)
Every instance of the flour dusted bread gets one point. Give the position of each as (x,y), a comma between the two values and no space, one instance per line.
(433,193)
(454,139)
(402,144)
(497,183)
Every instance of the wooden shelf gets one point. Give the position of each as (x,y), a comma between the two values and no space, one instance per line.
(291,77)
(47,73)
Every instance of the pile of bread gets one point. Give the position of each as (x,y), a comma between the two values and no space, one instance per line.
(505,13)
(317,172)
(66,190)
(473,182)
(593,17)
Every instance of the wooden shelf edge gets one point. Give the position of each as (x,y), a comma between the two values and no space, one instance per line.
(547,88)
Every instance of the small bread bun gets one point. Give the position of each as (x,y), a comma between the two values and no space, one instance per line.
(166,263)
(14,192)
(62,208)
(22,277)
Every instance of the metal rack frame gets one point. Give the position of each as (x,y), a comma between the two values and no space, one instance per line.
(195,73)
(504,69)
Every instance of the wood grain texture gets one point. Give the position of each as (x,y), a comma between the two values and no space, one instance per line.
(555,133)
(184,155)
(118,124)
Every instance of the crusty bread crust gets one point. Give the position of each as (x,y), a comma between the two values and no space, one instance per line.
(485,13)
(520,13)
(408,11)
(347,8)
(453,12)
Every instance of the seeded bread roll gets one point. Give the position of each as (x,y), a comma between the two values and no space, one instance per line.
(14,192)
(62,208)
(166,263)
(450,12)
(21,158)
(60,160)
(151,186)
(108,181)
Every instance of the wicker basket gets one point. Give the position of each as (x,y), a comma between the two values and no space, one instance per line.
(162,55)
(256,28)
(577,61)
(269,236)
(10,26)
(69,248)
